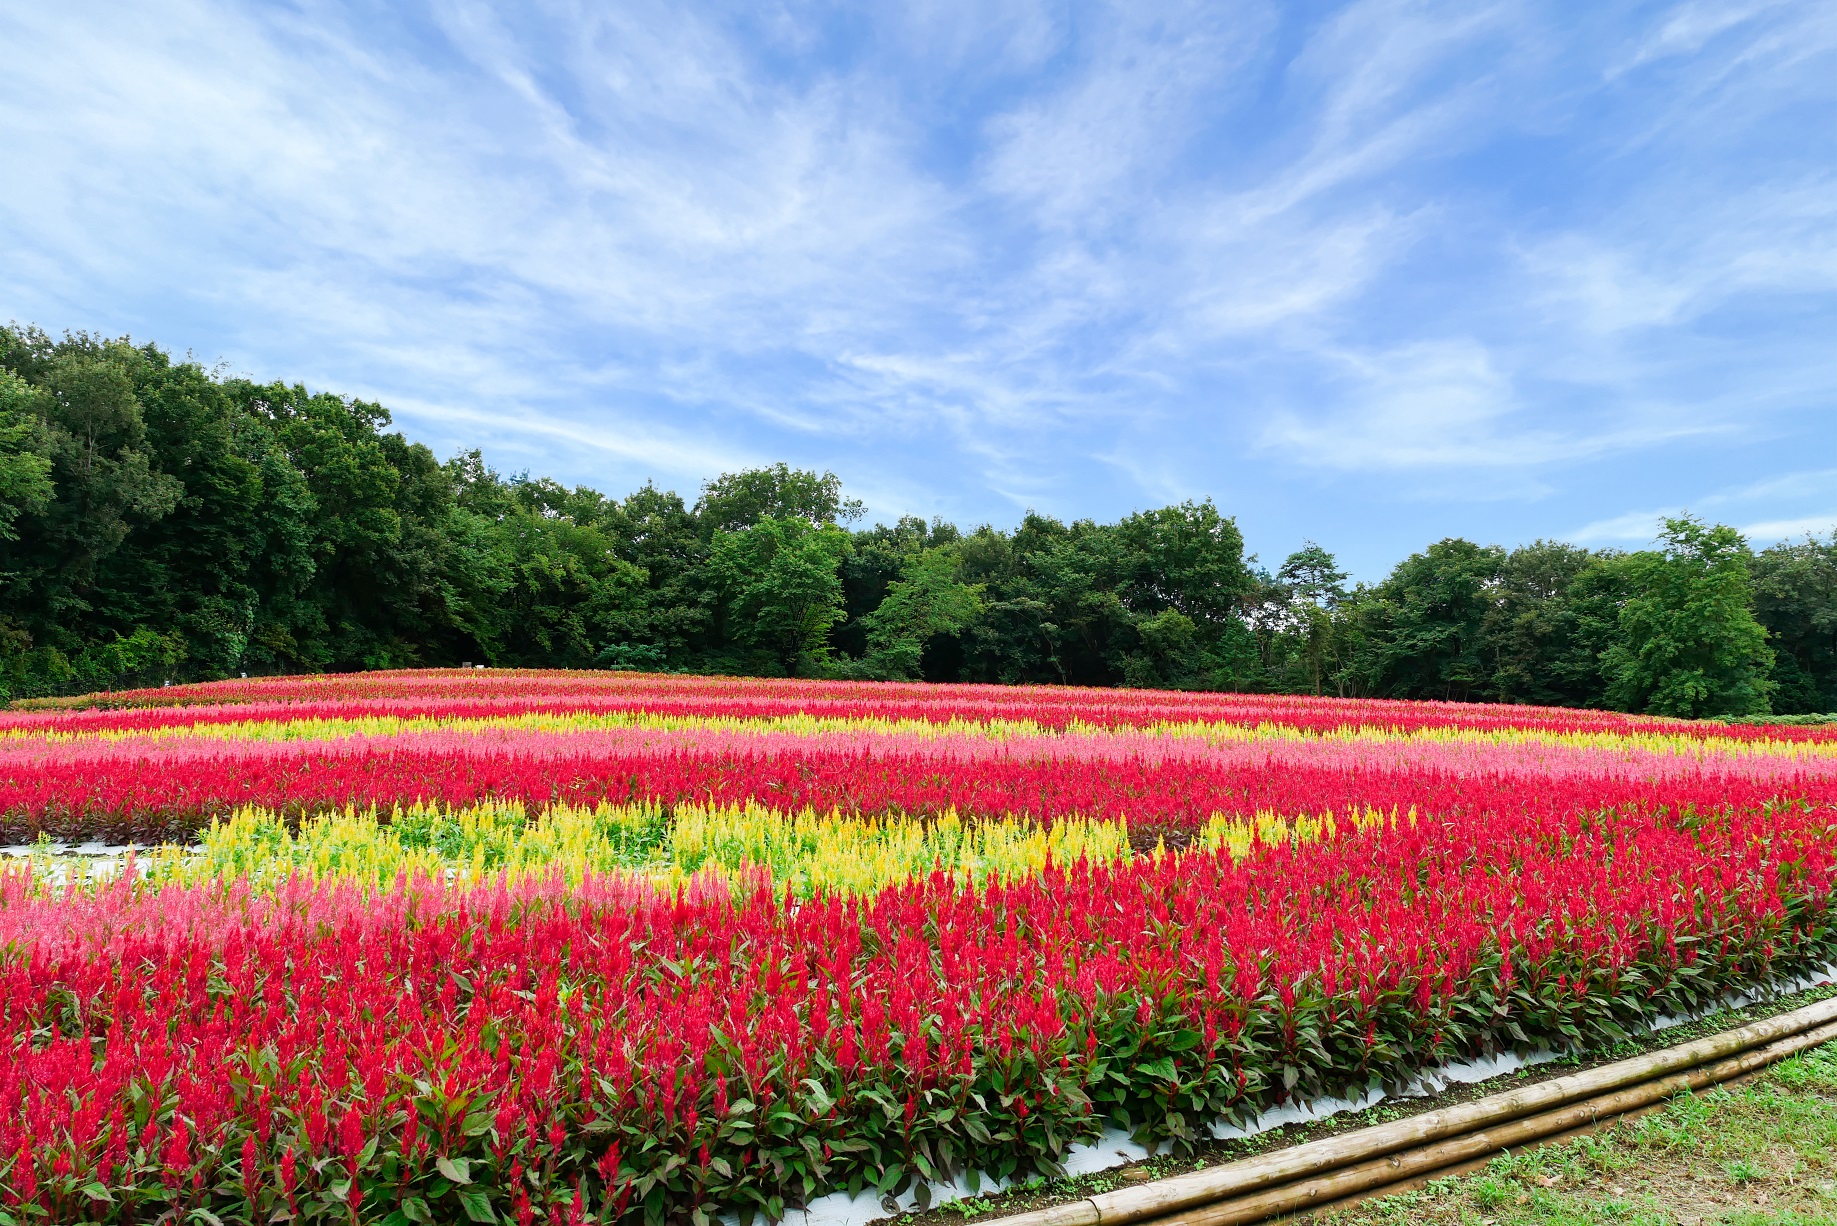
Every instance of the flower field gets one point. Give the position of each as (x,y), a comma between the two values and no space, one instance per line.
(520,947)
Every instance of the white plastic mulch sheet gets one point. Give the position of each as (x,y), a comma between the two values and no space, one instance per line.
(1115,1148)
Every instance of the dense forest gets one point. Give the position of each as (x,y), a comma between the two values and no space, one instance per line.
(160,522)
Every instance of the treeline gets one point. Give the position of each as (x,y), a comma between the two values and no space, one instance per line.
(158,521)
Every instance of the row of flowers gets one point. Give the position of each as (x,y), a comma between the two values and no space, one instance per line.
(146,790)
(806,853)
(481,694)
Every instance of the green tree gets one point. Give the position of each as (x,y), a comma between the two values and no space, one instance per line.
(1151,600)
(65,615)
(381,538)
(1184,580)
(1077,571)
(674,624)
(534,571)
(1016,638)
(1422,630)
(780,586)
(927,600)
(1310,587)
(1589,625)
(732,501)
(106,479)
(1795,600)
(1187,558)
(570,593)
(25,460)
(235,550)
(1688,642)
(1542,630)
(878,559)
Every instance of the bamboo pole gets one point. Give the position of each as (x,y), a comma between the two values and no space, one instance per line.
(1487,1143)
(1184,1192)
(1485,1160)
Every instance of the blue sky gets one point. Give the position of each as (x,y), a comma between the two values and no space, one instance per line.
(1370,274)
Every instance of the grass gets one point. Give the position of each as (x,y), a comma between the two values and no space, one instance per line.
(1764,1154)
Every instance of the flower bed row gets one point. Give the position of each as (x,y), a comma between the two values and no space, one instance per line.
(806,853)
(168,789)
(437,692)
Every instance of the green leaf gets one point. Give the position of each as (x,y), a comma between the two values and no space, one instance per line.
(459,1170)
(415,1210)
(1162,1068)
(819,1097)
(96,1191)
(476,1204)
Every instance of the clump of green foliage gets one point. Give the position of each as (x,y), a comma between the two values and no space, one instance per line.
(163,522)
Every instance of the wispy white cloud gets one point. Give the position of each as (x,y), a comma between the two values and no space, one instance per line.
(1686,28)
(1634,526)
(1447,405)
(987,255)
(1780,240)
(1815,484)
(1076,156)
(1805,494)
(1642,527)
(1770,530)
(667,449)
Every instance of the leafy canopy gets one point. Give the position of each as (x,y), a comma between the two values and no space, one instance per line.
(1689,644)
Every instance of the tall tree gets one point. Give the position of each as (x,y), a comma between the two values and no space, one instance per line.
(25,453)
(380,540)
(781,587)
(732,501)
(1423,628)
(107,480)
(1309,589)
(1536,645)
(878,560)
(675,623)
(66,616)
(927,600)
(1689,644)
(1795,599)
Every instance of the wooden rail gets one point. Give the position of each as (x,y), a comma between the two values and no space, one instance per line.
(1356,1164)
